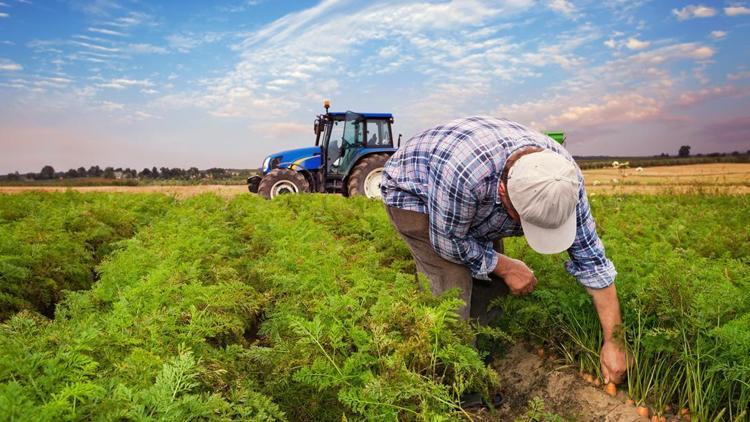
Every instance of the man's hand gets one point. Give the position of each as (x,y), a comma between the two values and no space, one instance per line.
(613,361)
(519,278)
(612,356)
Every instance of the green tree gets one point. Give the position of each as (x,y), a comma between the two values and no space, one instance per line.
(47,173)
(684,151)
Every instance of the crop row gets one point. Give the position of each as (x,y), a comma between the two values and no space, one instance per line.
(51,243)
(307,308)
(242,310)
(684,283)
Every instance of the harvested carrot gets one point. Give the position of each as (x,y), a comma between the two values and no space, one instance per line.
(611,389)
(642,410)
(588,378)
(597,382)
(662,419)
(540,352)
(654,418)
(630,402)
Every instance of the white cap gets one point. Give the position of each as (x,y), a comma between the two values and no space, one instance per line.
(543,187)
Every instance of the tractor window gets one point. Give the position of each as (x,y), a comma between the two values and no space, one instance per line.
(378,134)
(335,142)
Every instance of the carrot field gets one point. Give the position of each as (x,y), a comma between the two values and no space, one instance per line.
(121,306)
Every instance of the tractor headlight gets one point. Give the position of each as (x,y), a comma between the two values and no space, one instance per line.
(266,164)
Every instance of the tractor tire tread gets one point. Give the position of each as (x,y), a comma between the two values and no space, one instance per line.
(275,175)
(355,186)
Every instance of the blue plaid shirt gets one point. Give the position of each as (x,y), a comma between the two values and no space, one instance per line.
(451,173)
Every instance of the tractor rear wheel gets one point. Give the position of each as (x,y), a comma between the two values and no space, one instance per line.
(366,176)
(282,181)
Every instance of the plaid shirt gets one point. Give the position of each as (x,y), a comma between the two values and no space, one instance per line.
(451,172)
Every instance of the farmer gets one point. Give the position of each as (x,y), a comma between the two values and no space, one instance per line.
(454,190)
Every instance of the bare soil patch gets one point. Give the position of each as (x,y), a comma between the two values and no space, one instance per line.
(524,375)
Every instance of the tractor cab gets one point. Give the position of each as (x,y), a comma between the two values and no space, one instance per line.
(348,157)
(345,138)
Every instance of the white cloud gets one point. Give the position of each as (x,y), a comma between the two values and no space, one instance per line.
(4,15)
(691,98)
(130,20)
(143,48)
(613,108)
(107,32)
(693,11)
(188,41)
(611,43)
(125,83)
(636,44)
(9,66)
(111,106)
(717,35)
(564,7)
(684,51)
(96,47)
(736,10)
(743,74)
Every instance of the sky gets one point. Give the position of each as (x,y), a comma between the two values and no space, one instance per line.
(135,83)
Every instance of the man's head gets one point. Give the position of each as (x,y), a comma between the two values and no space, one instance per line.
(540,188)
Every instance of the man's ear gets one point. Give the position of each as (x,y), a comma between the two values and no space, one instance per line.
(501,189)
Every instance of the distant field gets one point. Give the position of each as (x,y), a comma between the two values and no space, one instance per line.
(732,178)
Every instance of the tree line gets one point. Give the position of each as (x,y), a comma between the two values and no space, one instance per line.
(49,173)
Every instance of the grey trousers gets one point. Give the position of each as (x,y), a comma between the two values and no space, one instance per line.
(443,274)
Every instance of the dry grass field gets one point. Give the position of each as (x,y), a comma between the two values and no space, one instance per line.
(731,178)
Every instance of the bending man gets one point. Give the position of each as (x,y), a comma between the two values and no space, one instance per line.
(453,190)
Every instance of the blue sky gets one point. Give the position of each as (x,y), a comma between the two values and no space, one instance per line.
(133,83)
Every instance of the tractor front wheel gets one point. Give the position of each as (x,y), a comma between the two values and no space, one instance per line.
(281,182)
(366,176)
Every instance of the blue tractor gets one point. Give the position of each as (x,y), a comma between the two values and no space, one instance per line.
(348,157)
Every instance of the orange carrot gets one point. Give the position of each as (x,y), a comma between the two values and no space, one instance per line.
(642,410)
(611,389)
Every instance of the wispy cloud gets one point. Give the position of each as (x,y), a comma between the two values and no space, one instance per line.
(96,46)
(130,20)
(636,44)
(107,32)
(744,74)
(95,7)
(9,66)
(693,11)
(4,15)
(185,42)
(144,48)
(736,10)
(122,83)
(563,7)
(717,35)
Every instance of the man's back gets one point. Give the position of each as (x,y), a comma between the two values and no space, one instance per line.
(473,149)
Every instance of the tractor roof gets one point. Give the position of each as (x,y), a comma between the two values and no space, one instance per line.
(338,114)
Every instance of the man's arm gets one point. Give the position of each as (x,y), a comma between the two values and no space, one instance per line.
(589,264)
(611,357)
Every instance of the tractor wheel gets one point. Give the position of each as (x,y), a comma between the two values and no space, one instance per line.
(282,181)
(366,176)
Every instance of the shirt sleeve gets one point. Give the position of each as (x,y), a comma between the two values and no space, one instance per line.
(588,263)
(452,205)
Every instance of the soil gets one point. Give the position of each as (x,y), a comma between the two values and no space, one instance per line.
(725,178)
(524,375)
